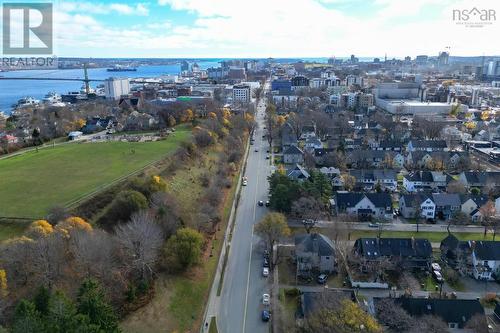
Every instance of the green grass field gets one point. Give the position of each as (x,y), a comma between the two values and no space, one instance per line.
(33,182)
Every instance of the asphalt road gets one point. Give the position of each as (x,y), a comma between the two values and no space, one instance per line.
(240,306)
(392,226)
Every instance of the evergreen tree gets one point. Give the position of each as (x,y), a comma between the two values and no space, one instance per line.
(91,302)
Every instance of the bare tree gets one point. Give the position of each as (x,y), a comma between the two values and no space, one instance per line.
(141,240)
(478,324)
(93,252)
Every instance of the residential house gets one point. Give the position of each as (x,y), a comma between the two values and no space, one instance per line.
(313,143)
(293,155)
(408,252)
(471,205)
(140,121)
(447,204)
(330,172)
(426,180)
(308,131)
(369,158)
(479,259)
(288,137)
(454,312)
(480,179)
(298,173)
(417,204)
(367,179)
(364,205)
(435,159)
(389,145)
(314,253)
(320,155)
(427,145)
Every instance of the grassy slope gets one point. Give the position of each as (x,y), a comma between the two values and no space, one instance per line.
(179,300)
(32,182)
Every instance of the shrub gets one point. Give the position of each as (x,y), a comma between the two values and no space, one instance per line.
(123,206)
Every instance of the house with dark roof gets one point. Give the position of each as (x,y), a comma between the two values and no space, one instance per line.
(314,253)
(447,204)
(321,154)
(367,179)
(298,173)
(411,252)
(479,259)
(454,312)
(417,205)
(426,180)
(471,205)
(427,145)
(364,205)
(368,158)
(480,179)
(288,136)
(293,155)
(389,145)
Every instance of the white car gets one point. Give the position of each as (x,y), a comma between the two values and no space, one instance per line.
(435,267)
(265,271)
(266,299)
(245,183)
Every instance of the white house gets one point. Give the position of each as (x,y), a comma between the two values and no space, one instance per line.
(485,259)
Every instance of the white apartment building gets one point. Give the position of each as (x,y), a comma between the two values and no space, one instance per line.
(241,93)
(114,88)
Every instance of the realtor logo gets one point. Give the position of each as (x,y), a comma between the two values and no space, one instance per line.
(27,28)
(474,17)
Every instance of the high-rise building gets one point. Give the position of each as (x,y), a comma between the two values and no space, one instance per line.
(422,59)
(443,58)
(241,93)
(114,88)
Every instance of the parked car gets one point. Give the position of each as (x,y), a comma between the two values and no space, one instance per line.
(245,183)
(251,143)
(261,203)
(266,315)
(373,225)
(267,203)
(435,267)
(266,262)
(266,299)
(322,278)
(265,271)
(438,276)
(256,150)
(267,157)
(266,254)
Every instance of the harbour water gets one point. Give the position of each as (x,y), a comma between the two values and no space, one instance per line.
(12,90)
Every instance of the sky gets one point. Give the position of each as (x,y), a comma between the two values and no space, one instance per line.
(270,28)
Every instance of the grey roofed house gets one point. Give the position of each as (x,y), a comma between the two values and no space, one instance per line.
(374,175)
(293,155)
(314,252)
(454,312)
(293,150)
(298,172)
(431,145)
(480,178)
(487,250)
(288,137)
(410,204)
(415,252)
(446,199)
(350,199)
(479,200)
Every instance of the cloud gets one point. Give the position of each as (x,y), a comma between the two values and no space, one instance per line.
(104,9)
(278,28)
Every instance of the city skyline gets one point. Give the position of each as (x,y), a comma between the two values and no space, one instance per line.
(234,29)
